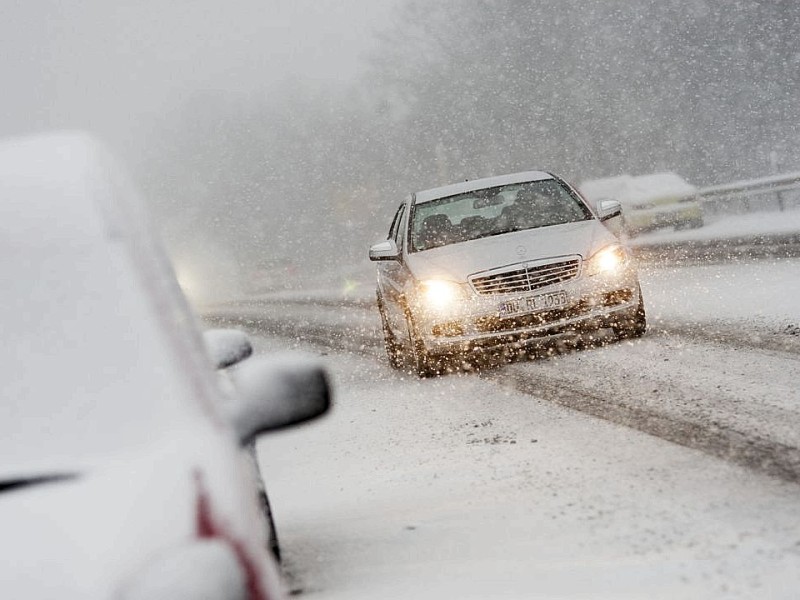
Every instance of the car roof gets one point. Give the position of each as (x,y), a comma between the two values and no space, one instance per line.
(479,184)
(97,353)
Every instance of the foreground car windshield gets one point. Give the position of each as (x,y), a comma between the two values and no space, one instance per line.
(493,211)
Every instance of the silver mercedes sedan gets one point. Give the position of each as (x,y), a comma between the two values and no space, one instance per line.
(501,262)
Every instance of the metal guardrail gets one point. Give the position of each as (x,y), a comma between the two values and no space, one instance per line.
(746,188)
(761,185)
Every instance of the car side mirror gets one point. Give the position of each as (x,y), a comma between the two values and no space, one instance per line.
(386,250)
(227,347)
(276,392)
(608,209)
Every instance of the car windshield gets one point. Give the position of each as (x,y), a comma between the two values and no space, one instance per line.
(493,211)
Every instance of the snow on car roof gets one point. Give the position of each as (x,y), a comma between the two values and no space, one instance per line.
(607,187)
(95,356)
(642,188)
(42,180)
(479,184)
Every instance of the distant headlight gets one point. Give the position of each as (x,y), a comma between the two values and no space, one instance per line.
(187,282)
(439,294)
(609,260)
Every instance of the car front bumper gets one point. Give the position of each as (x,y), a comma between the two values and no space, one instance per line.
(591,303)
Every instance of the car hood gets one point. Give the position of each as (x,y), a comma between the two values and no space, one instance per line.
(83,534)
(458,261)
(93,533)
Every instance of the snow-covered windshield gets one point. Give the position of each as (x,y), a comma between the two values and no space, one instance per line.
(493,211)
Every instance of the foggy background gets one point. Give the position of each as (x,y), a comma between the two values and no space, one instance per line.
(274,139)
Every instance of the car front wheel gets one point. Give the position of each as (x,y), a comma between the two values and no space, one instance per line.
(633,325)
(272,533)
(394,351)
(420,361)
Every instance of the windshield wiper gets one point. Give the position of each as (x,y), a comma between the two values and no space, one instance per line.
(9,485)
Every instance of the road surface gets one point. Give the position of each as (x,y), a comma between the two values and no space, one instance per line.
(662,467)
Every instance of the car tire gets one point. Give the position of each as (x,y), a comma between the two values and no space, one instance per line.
(633,325)
(272,534)
(394,351)
(419,359)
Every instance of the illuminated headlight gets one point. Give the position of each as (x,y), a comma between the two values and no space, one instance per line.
(438,294)
(609,260)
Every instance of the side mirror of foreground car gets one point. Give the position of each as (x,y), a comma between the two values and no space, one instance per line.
(386,250)
(608,209)
(275,392)
(227,347)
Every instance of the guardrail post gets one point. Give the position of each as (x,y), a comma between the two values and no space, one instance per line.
(774,167)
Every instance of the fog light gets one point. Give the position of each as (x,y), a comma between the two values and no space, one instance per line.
(451,329)
(617,297)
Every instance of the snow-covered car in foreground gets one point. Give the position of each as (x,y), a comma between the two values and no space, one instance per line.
(122,473)
(501,261)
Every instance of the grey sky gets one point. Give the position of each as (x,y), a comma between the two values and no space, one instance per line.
(106,65)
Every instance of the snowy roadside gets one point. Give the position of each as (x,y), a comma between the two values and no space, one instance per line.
(458,488)
(754,298)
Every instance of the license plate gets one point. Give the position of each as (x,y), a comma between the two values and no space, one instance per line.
(519,306)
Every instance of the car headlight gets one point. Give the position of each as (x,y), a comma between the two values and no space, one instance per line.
(609,260)
(439,294)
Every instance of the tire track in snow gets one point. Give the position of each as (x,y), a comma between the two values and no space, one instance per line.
(786,340)
(752,451)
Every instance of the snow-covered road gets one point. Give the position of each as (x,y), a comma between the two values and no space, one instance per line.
(716,371)
(490,485)
(458,488)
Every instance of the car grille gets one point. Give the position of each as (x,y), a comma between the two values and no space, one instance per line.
(527,278)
